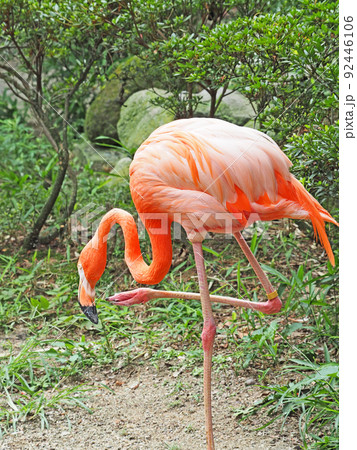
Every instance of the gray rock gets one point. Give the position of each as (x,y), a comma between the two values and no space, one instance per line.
(102,159)
(250,382)
(103,113)
(234,108)
(251,124)
(120,173)
(139,118)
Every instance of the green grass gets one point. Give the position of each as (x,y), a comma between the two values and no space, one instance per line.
(314,399)
(31,380)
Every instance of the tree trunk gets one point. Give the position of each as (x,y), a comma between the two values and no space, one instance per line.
(190,93)
(48,237)
(32,238)
(213,94)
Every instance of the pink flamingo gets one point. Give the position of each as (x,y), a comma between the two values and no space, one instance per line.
(210,176)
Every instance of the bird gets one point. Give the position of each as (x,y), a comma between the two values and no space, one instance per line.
(211,176)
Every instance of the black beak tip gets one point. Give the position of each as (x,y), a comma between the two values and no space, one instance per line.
(90,312)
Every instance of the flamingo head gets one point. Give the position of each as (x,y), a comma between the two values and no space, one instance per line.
(91,265)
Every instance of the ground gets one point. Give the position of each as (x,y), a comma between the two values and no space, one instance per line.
(155,408)
(149,402)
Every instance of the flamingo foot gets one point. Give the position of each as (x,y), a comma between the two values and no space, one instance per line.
(135,297)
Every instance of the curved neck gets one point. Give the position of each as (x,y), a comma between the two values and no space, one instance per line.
(160,238)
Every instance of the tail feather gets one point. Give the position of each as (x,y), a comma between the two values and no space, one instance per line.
(318,216)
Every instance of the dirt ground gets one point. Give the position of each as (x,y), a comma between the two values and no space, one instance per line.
(151,408)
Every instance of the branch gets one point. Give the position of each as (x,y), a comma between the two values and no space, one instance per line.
(84,73)
(139,38)
(8,68)
(224,90)
(25,99)
(46,130)
(39,66)
(32,238)
(26,91)
(76,86)
(19,49)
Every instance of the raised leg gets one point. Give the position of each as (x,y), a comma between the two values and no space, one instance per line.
(143,295)
(255,265)
(208,334)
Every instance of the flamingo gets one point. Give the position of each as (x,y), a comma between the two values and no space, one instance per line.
(210,176)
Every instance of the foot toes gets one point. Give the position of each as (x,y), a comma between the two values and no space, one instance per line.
(130,298)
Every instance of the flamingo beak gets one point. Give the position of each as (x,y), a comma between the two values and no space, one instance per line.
(90,312)
(86,298)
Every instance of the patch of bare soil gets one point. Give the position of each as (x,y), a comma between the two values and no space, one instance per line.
(156,409)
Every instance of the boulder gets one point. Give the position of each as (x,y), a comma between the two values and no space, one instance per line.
(139,118)
(234,108)
(120,172)
(103,113)
(251,124)
(101,159)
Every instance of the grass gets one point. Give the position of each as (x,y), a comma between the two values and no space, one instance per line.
(294,353)
(31,381)
(314,399)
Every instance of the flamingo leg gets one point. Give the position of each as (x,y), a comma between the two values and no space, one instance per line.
(208,335)
(143,295)
(254,263)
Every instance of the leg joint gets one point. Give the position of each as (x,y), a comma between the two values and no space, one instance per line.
(208,334)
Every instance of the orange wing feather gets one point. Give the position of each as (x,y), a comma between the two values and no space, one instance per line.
(193,166)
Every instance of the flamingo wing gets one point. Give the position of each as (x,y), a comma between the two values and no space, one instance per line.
(209,165)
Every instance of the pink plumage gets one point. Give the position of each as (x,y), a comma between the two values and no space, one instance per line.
(194,167)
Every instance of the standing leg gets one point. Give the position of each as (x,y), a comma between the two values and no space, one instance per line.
(208,334)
